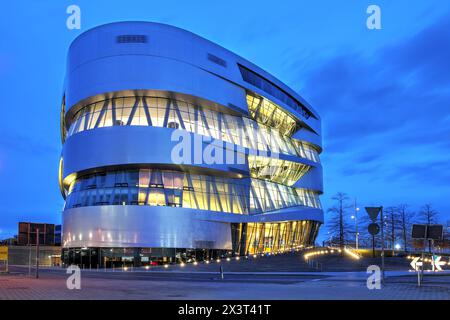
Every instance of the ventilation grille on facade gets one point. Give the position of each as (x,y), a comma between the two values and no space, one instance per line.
(217,60)
(131,38)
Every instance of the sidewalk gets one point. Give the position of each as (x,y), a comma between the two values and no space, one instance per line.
(174,285)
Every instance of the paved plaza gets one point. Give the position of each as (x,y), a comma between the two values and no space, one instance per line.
(202,285)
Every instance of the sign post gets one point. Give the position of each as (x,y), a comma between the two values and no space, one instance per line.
(374,229)
(417,266)
(427,232)
(37,253)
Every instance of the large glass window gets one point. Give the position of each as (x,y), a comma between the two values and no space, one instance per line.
(272,89)
(179,189)
(268,113)
(276,170)
(275,236)
(169,113)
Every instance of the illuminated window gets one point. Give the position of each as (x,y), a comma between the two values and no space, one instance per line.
(269,132)
(272,89)
(276,170)
(270,114)
(174,188)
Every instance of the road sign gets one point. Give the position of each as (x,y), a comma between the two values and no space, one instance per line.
(436,263)
(435,231)
(419,231)
(3,253)
(373,228)
(373,212)
(424,231)
(416,264)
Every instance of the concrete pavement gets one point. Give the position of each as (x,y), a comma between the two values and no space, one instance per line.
(208,285)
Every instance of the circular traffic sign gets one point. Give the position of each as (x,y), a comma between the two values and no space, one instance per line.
(374,228)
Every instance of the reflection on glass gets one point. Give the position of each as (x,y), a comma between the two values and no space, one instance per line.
(270,135)
(179,189)
(276,170)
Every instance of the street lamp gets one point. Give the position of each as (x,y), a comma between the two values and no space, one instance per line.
(355,217)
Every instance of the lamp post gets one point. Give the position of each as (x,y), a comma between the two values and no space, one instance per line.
(355,217)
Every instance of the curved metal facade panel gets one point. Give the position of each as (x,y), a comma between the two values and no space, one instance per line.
(138,226)
(312,180)
(129,86)
(122,146)
(130,72)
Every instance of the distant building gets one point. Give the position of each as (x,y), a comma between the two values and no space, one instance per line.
(58,235)
(28,232)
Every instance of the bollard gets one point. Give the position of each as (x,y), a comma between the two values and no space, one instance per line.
(221,272)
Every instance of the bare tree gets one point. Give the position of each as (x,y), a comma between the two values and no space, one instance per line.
(405,218)
(338,224)
(391,223)
(429,216)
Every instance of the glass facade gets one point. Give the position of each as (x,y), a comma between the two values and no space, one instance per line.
(276,170)
(170,113)
(268,113)
(272,89)
(180,189)
(252,238)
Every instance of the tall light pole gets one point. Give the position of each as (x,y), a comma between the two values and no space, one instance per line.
(355,217)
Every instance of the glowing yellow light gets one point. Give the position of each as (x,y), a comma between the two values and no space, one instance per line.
(228,259)
(182,264)
(254,256)
(147,267)
(207,261)
(195,263)
(237,258)
(166,266)
(351,254)
(125,269)
(218,260)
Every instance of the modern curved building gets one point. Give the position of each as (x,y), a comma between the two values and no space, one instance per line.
(175,148)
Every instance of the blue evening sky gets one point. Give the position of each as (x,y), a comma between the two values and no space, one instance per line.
(384,95)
